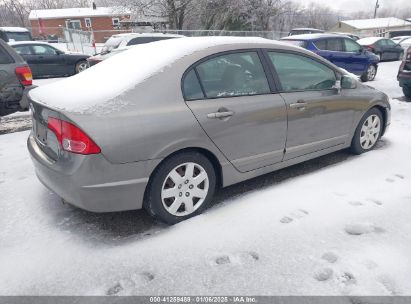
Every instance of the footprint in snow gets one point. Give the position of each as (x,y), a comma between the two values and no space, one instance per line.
(330,257)
(238,258)
(323,274)
(347,278)
(388,283)
(375,201)
(356,203)
(362,228)
(300,213)
(394,178)
(130,283)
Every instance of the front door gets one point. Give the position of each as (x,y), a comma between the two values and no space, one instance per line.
(49,61)
(357,60)
(318,116)
(231,98)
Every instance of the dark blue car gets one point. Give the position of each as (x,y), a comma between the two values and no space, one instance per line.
(340,50)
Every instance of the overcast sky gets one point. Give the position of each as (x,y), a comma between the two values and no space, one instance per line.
(360,5)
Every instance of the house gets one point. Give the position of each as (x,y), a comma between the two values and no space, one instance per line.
(372,27)
(102,21)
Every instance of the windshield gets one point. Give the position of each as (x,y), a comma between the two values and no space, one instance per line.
(111,44)
(19,36)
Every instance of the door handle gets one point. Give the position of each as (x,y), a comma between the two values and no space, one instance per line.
(220,115)
(299,105)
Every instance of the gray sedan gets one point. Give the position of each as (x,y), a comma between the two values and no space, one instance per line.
(162,125)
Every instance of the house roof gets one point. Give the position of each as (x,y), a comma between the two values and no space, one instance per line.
(77,12)
(363,24)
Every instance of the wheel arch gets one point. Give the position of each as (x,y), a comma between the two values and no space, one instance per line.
(384,113)
(207,153)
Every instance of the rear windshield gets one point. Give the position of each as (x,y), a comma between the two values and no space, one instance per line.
(111,44)
(301,43)
(18,36)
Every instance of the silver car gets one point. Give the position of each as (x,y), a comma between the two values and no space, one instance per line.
(162,125)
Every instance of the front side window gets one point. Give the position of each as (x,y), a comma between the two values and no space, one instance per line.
(351,46)
(235,74)
(300,73)
(43,50)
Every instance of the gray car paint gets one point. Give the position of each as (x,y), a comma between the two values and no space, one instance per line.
(136,136)
(13,95)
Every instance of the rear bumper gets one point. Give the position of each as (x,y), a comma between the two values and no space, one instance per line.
(404,78)
(24,102)
(91,182)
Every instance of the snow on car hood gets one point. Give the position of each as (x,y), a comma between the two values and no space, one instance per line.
(120,73)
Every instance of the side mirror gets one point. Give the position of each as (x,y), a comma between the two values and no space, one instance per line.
(58,52)
(347,82)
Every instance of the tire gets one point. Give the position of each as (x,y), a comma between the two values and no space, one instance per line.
(370,74)
(363,142)
(81,66)
(407,91)
(169,189)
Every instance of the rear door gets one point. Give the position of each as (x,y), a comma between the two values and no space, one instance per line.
(318,116)
(233,100)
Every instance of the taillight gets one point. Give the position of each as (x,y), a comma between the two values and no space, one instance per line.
(24,75)
(71,138)
(368,47)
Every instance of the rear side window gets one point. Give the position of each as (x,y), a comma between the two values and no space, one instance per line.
(300,73)
(23,50)
(191,86)
(236,74)
(140,40)
(321,44)
(334,45)
(5,58)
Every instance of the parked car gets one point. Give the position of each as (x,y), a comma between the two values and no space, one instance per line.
(384,48)
(11,34)
(352,36)
(121,42)
(211,111)
(404,74)
(15,81)
(45,60)
(400,39)
(305,30)
(340,50)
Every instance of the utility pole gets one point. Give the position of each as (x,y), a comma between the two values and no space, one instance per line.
(377,6)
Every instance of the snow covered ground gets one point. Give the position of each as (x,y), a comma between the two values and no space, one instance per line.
(337,225)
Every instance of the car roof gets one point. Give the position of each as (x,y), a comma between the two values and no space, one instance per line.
(306,37)
(29,42)
(369,40)
(135,35)
(13,29)
(111,78)
(305,29)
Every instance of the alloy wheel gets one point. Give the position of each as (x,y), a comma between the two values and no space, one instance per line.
(82,66)
(370,132)
(371,72)
(185,189)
